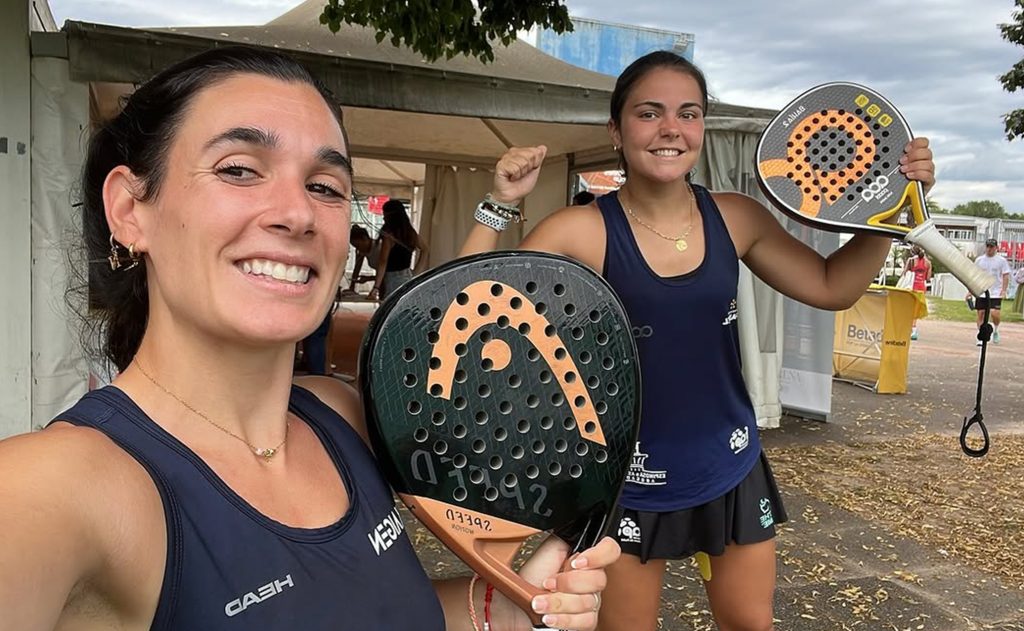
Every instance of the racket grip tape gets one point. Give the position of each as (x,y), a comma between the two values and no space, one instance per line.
(973,277)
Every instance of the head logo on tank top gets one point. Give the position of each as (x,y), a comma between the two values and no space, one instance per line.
(730,316)
(739,440)
(271,589)
(639,474)
(629,532)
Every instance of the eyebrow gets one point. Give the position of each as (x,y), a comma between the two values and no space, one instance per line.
(661,106)
(248,135)
(333,157)
(269,140)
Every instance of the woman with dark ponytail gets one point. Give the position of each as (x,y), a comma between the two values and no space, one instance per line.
(398,242)
(204,488)
(700,485)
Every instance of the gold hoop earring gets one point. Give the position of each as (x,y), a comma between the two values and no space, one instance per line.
(134,256)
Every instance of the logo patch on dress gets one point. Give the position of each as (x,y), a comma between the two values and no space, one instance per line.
(739,440)
(638,474)
(731,315)
(767,519)
(387,532)
(629,532)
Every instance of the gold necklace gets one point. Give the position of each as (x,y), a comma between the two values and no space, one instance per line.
(680,241)
(264,452)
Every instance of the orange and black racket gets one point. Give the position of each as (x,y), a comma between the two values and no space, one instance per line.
(502,396)
(831,159)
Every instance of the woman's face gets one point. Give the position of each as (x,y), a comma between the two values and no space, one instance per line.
(248,235)
(661,128)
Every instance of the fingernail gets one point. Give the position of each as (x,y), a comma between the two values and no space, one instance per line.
(550,584)
(548,620)
(579,563)
(539,604)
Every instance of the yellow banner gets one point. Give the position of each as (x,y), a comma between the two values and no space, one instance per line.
(857,351)
(872,338)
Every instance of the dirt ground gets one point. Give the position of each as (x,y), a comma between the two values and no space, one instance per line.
(891,526)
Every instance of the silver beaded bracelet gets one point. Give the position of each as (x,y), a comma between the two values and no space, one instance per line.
(490,219)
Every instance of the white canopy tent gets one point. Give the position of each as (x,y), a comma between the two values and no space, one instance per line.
(414,126)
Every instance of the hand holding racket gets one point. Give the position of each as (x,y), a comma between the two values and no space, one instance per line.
(502,399)
(831,159)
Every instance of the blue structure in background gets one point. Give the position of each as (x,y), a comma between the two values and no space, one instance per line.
(608,48)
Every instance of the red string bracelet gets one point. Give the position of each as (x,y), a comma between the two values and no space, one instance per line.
(488,595)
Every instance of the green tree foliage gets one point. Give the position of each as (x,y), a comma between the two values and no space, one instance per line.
(1014,79)
(436,28)
(934,208)
(984,208)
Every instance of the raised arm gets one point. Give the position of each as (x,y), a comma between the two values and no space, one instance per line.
(515,176)
(793,268)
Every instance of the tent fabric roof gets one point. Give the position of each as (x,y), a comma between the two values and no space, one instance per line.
(397,106)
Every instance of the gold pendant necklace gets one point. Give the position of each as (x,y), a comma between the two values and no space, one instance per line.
(680,241)
(263,452)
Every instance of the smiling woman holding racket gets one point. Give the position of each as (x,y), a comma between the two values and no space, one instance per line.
(699,481)
(203,489)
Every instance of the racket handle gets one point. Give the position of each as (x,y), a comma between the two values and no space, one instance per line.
(973,277)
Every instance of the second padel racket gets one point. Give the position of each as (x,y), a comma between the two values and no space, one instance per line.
(502,396)
(831,159)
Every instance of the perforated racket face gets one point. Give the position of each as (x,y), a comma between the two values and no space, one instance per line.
(505,388)
(831,158)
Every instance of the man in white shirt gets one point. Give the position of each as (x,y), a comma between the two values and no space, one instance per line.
(995,264)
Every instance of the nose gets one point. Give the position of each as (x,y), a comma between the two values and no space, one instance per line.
(291,210)
(670,127)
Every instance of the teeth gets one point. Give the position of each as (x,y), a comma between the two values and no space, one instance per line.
(276,270)
(667,152)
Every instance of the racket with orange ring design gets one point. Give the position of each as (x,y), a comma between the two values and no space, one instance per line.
(502,397)
(831,159)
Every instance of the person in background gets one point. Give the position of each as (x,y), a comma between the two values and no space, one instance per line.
(398,242)
(919,265)
(368,251)
(993,262)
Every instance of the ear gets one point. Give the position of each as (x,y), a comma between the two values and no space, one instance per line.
(613,131)
(121,192)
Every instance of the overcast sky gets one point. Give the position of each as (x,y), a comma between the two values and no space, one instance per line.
(938,61)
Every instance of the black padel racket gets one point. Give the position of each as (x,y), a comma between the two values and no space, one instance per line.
(502,396)
(831,159)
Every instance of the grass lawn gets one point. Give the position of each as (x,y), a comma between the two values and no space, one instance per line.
(957,311)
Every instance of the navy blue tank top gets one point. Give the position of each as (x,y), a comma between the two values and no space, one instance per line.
(698,432)
(229,567)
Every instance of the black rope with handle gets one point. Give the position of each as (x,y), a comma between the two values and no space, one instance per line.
(984,335)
